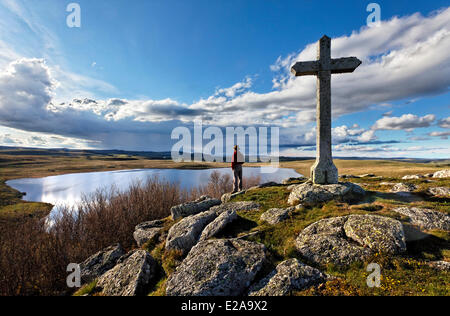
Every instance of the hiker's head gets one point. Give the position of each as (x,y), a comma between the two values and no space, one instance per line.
(236,147)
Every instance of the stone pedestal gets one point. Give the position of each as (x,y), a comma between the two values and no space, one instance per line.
(324,172)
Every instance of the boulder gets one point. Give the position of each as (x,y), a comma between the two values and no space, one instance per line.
(343,240)
(235,206)
(131,276)
(440,191)
(186,233)
(147,231)
(217,225)
(380,234)
(290,275)
(311,194)
(227,197)
(99,263)
(191,208)
(412,177)
(289,180)
(220,267)
(425,218)
(276,215)
(442,174)
(403,187)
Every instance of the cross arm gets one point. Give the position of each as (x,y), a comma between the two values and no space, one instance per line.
(343,65)
(305,68)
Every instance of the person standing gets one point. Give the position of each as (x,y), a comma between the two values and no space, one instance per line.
(236,165)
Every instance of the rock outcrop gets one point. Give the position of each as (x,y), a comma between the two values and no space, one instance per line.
(440,191)
(413,177)
(276,215)
(442,174)
(311,194)
(217,225)
(425,218)
(341,241)
(290,275)
(403,187)
(235,206)
(191,208)
(186,233)
(147,231)
(221,267)
(130,277)
(99,263)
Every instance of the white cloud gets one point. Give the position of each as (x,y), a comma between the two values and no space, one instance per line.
(442,135)
(407,122)
(444,123)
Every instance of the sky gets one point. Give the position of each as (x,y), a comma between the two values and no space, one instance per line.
(136,70)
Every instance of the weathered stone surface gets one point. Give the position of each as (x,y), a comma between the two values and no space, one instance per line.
(413,176)
(425,218)
(440,265)
(147,231)
(191,208)
(235,206)
(440,191)
(101,262)
(221,267)
(186,233)
(276,215)
(404,187)
(290,275)
(381,234)
(130,277)
(217,225)
(333,240)
(229,196)
(442,174)
(309,193)
(289,180)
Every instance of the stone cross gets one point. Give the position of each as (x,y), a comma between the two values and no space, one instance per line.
(324,171)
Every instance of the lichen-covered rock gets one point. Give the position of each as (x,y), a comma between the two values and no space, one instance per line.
(217,225)
(276,215)
(381,234)
(235,206)
(290,275)
(343,240)
(412,177)
(220,267)
(311,194)
(325,242)
(191,208)
(99,263)
(440,265)
(425,218)
(186,233)
(442,174)
(147,231)
(439,191)
(130,277)
(404,187)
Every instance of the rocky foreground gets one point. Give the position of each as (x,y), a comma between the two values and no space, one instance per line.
(207,252)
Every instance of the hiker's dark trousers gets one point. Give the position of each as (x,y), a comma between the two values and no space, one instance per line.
(237,178)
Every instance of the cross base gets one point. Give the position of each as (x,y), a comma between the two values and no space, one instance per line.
(324,172)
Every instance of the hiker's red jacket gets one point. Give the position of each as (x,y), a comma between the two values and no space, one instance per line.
(238,159)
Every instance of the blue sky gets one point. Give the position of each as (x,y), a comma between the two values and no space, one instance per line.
(137,69)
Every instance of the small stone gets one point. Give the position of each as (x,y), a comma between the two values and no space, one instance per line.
(442,174)
(404,187)
(191,208)
(290,275)
(311,194)
(276,215)
(412,177)
(131,276)
(99,263)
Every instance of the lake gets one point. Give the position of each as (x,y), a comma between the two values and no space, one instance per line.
(69,188)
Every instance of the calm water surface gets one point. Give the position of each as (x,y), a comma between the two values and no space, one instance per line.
(68,189)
